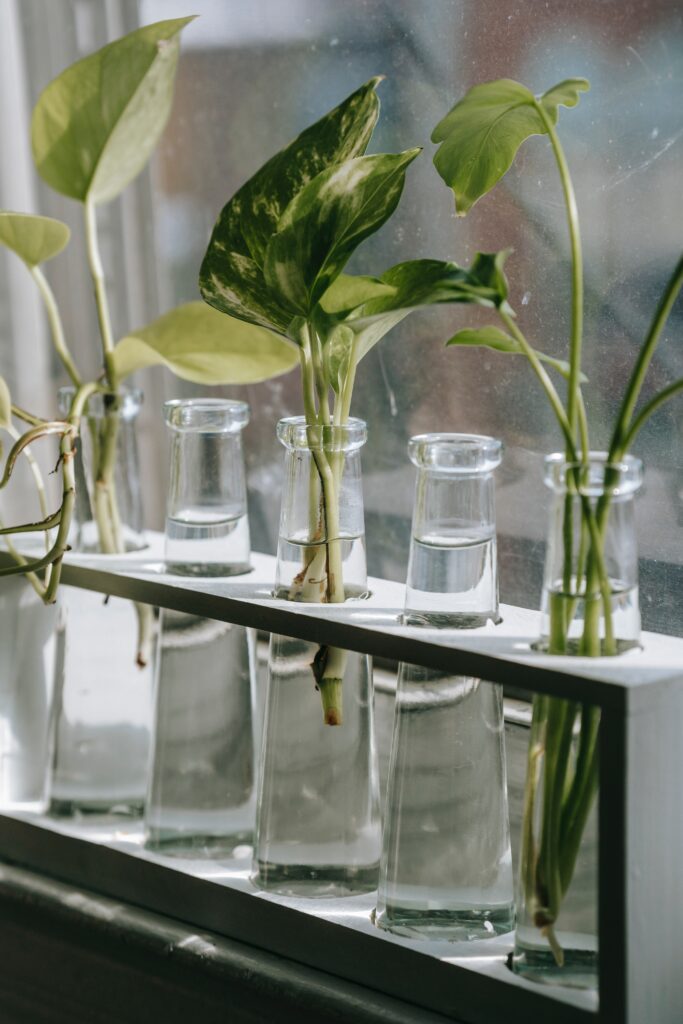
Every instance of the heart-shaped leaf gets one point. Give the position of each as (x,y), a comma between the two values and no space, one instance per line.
(5,404)
(500,341)
(327,220)
(200,344)
(95,126)
(231,276)
(480,136)
(34,239)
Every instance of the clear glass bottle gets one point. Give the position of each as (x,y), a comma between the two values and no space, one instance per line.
(201,796)
(108,424)
(103,703)
(31,661)
(446,870)
(589,607)
(318,823)
(573,610)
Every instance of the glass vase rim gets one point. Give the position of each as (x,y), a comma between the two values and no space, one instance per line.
(130,400)
(628,472)
(206,415)
(457,453)
(294,432)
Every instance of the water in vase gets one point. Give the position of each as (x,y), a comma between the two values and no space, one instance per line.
(200,542)
(447,869)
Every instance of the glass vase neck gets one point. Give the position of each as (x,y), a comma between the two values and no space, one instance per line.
(321,543)
(593,478)
(206,415)
(207,528)
(296,433)
(461,454)
(125,404)
(452,572)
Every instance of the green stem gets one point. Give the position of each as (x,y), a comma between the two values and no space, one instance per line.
(38,482)
(97,274)
(55,322)
(577,271)
(652,406)
(546,383)
(558,739)
(620,435)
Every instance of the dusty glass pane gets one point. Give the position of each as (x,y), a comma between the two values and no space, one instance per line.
(253,75)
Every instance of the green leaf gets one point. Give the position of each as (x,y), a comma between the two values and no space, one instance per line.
(406,287)
(480,136)
(34,239)
(200,344)
(327,220)
(349,291)
(418,283)
(500,341)
(95,126)
(5,404)
(231,276)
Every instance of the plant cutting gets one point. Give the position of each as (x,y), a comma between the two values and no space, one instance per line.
(589,603)
(277,259)
(93,130)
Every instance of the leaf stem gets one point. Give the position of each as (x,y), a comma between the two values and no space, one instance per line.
(55,322)
(577,270)
(545,381)
(97,274)
(621,436)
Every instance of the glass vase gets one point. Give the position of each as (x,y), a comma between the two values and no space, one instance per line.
(201,797)
(103,706)
(318,824)
(446,869)
(590,608)
(31,661)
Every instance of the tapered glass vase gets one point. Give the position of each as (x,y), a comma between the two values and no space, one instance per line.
(201,798)
(318,824)
(31,664)
(446,870)
(589,608)
(103,706)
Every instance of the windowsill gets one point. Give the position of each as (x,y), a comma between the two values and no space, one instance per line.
(337,937)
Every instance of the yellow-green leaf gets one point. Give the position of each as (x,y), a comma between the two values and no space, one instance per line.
(34,239)
(198,343)
(95,126)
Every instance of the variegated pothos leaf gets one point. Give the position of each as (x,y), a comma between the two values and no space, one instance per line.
(231,276)
(327,220)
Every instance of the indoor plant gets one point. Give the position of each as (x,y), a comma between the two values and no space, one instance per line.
(478,140)
(94,128)
(276,259)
